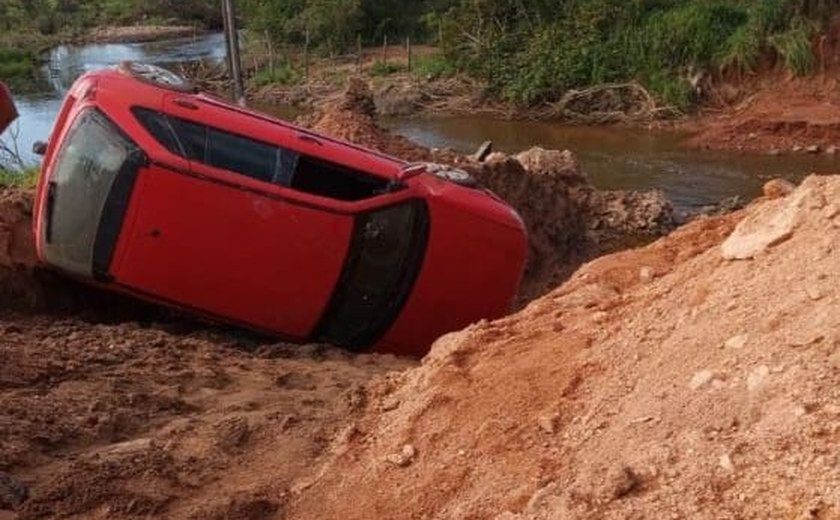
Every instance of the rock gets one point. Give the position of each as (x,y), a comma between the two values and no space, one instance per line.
(646,274)
(548,423)
(483,151)
(737,342)
(700,378)
(777,188)
(725,462)
(831,150)
(404,458)
(13,492)
(763,229)
(796,149)
(757,377)
(814,148)
(622,482)
(814,292)
(774,151)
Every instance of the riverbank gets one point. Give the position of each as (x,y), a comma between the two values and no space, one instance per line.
(770,112)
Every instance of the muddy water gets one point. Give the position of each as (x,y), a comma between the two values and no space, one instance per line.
(619,158)
(615,158)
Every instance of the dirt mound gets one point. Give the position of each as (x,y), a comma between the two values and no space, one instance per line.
(667,381)
(568,220)
(18,285)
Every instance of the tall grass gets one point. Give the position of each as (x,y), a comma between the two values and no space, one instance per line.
(530,55)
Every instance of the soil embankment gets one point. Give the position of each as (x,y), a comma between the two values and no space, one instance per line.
(686,379)
(779,115)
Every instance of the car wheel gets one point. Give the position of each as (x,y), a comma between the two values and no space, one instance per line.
(155,75)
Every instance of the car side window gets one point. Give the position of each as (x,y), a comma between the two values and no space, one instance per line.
(241,155)
(192,136)
(259,160)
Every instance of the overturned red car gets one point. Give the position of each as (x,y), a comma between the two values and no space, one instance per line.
(151,188)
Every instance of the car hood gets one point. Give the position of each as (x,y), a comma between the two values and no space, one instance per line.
(8,112)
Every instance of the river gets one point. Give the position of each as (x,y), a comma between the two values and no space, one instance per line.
(615,158)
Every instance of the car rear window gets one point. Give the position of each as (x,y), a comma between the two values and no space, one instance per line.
(259,160)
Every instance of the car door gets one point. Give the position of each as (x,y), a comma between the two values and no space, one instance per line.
(233,245)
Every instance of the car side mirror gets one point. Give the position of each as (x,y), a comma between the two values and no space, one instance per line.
(39,148)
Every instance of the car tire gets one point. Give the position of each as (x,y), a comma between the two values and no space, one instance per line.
(157,76)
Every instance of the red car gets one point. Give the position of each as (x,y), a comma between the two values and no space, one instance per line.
(179,197)
(8,113)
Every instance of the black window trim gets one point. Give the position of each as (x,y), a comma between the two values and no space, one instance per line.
(278,176)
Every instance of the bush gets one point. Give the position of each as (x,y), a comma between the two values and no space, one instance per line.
(533,52)
(281,74)
(434,67)
(15,63)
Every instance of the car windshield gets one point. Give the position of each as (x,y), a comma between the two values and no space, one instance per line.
(87,165)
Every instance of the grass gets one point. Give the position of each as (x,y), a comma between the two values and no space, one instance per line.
(380,69)
(435,66)
(281,74)
(27,178)
(15,63)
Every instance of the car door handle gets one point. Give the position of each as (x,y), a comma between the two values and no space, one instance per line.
(185,103)
(309,139)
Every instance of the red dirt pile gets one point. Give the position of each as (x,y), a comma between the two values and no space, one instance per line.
(18,286)
(698,377)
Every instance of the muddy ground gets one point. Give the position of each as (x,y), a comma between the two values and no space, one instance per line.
(683,379)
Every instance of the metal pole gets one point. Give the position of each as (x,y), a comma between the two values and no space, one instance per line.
(232,42)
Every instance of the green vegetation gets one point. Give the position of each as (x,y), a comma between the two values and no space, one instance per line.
(51,17)
(19,179)
(433,67)
(282,73)
(386,69)
(15,63)
(533,51)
